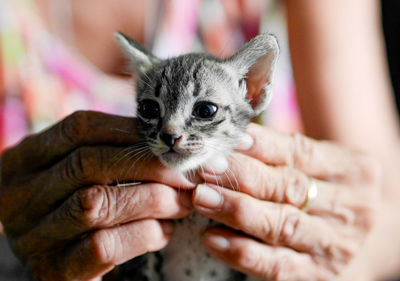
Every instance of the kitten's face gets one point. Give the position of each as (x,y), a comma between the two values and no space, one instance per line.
(194,107)
(190,109)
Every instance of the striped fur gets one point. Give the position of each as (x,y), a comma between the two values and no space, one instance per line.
(240,88)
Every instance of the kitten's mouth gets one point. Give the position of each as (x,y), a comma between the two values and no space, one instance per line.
(181,158)
(182,161)
(173,155)
(175,159)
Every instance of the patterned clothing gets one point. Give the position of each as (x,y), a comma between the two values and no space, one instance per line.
(43,81)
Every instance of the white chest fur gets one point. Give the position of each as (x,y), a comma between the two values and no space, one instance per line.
(185,258)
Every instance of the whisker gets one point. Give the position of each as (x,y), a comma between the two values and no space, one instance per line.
(127,151)
(138,154)
(130,153)
(120,130)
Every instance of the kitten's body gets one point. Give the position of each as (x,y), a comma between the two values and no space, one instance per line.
(190,109)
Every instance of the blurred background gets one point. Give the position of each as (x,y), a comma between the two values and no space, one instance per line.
(59,56)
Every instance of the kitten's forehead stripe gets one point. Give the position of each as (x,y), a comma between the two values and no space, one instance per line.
(197,87)
(196,69)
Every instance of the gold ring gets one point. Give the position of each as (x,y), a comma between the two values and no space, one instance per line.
(311,194)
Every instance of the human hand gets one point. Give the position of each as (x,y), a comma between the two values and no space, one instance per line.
(267,188)
(64,214)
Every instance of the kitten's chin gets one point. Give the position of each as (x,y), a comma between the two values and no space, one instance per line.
(181,162)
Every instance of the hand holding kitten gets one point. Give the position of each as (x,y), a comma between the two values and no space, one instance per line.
(266,187)
(62,211)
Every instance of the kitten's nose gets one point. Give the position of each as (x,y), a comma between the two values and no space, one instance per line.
(169,139)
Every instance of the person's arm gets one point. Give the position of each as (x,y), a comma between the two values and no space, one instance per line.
(344,95)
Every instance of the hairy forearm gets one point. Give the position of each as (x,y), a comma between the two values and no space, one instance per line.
(344,95)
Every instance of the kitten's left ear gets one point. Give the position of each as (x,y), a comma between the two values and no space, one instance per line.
(255,62)
(141,59)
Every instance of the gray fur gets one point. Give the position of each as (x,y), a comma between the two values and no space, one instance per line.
(239,87)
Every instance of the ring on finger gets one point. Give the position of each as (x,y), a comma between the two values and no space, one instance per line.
(312,193)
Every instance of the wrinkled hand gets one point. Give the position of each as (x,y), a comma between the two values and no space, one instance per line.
(62,210)
(266,188)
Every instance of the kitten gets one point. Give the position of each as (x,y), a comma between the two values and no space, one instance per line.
(191,108)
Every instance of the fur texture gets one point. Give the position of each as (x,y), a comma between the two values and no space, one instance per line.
(191,108)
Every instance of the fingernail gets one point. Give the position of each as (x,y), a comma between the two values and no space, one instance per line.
(207,197)
(246,142)
(217,242)
(186,199)
(216,165)
(168,227)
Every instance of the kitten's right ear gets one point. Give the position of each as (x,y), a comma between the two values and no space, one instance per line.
(141,59)
(255,63)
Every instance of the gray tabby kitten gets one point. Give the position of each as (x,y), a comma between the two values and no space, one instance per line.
(191,108)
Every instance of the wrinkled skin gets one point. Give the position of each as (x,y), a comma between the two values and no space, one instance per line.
(267,185)
(66,218)
(64,214)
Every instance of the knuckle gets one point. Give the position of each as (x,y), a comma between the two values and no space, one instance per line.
(364,215)
(80,164)
(294,186)
(101,247)
(288,228)
(74,127)
(90,206)
(284,227)
(371,170)
(302,150)
(335,258)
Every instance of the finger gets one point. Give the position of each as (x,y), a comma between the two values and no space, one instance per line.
(99,207)
(251,176)
(260,260)
(276,224)
(90,166)
(289,186)
(80,128)
(320,159)
(117,245)
(101,250)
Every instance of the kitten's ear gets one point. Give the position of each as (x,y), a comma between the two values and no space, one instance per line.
(255,62)
(141,59)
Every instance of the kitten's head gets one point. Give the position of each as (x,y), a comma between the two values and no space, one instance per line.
(195,106)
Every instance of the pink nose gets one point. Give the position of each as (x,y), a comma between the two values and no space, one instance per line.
(169,139)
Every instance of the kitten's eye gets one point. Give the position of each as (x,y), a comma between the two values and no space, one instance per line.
(204,110)
(149,109)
